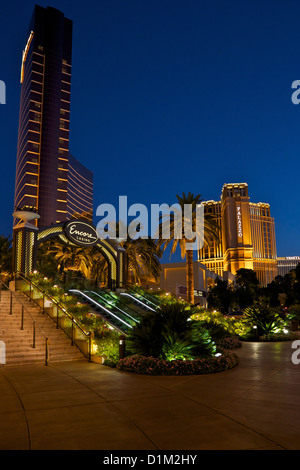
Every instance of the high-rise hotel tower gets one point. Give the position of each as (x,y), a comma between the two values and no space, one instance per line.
(47,177)
(247,237)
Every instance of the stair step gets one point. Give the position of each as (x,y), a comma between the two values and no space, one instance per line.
(18,343)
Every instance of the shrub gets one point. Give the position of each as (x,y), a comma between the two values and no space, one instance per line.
(217,331)
(195,342)
(146,337)
(110,362)
(108,346)
(293,317)
(266,319)
(169,333)
(221,326)
(229,343)
(279,337)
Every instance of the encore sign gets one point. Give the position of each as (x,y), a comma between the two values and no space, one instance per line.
(81,233)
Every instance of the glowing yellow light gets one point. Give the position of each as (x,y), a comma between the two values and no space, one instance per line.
(25,52)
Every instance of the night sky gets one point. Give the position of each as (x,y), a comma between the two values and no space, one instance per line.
(172,96)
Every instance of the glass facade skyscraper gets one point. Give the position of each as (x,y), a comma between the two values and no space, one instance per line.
(44,171)
(79,190)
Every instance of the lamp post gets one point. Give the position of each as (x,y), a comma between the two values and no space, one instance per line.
(255,331)
(122,347)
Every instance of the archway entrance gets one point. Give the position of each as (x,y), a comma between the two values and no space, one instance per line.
(75,232)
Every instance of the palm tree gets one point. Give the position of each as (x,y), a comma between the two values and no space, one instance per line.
(142,254)
(46,264)
(142,258)
(178,235)
(98,269)
(69,257)
(55,256)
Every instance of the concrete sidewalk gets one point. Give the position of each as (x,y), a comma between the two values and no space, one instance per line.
(84,406)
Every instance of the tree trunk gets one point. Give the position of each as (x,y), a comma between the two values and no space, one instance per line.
(190,275)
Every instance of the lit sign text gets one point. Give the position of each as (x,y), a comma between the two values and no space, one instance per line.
(239,221)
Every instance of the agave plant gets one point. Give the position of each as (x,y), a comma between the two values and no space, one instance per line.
(146,337)
(177,347)
(169,333)
(266,319)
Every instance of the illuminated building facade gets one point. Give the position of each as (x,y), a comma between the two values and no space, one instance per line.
(247,235)
(43,168)
(79,190)
(286,264)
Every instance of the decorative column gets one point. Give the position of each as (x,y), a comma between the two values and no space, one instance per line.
(121,268)
(24,242)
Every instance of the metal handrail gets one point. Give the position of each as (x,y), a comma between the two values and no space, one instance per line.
(35,324)
(73,320)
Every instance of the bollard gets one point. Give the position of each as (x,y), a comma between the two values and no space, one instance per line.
(122,347)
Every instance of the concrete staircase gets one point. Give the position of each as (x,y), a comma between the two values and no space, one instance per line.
(18,343)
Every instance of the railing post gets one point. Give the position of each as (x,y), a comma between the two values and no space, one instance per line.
(90,345)
(22,318)
(11,302)
(57,316)
(0,289)
(33,345)
(46,352)
(72,333)
(74,326)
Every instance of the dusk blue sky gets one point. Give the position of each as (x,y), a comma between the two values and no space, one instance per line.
(172,96)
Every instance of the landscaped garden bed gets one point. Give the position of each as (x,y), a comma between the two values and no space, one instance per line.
(154,366)
(179,338)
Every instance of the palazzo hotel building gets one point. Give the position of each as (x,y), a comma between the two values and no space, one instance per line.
(48,177)
(247,235)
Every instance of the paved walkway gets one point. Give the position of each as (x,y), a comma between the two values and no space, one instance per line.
(83,406)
